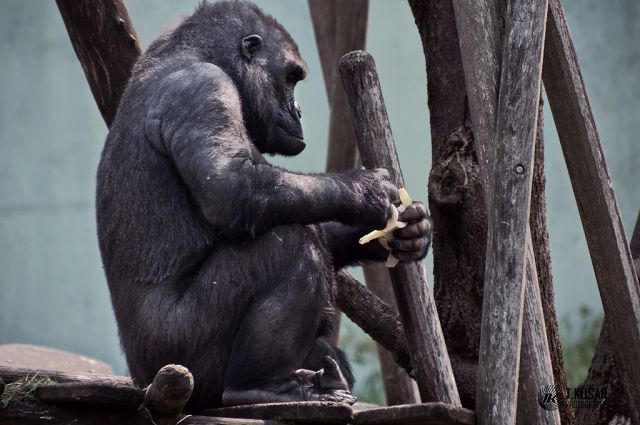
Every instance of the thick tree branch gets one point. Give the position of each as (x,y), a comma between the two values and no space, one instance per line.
(106,44)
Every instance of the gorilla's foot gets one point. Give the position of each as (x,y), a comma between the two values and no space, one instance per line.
(327,384)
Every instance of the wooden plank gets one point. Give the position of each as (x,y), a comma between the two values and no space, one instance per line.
(429,357)
(510,188)
(106,44)
(593,190)
(308,412)
(416,414)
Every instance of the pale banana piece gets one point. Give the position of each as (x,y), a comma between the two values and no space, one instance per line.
(386,234)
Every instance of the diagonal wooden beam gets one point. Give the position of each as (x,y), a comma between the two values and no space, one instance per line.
(593,190)
(106,44)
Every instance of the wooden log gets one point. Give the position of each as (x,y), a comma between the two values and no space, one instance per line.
(170,390)
(106,44)
(535,366)
(510,190)
(542,254)
(593,190)
(378,320)
(341,27)
(323,17)
(429,357)
(120,395)
(416,414)
(36,414)
(350,34)
(11,374)
(320,412)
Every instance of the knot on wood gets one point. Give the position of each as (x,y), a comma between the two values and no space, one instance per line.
(455,169)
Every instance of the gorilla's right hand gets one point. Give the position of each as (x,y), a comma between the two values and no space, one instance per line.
(372,197)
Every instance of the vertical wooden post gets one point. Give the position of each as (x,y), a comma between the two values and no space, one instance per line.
(340,26)
(429,355)
(593,190)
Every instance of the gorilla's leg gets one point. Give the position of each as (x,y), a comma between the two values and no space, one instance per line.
(279,331)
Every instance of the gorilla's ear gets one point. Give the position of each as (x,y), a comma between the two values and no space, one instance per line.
(250,45)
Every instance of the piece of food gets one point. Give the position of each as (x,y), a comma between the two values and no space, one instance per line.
(384,235)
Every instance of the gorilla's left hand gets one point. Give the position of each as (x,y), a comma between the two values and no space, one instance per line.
(411,243)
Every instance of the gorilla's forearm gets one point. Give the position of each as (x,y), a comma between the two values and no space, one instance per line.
(342,241)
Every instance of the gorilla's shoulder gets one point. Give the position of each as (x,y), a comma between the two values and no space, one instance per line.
(199,79)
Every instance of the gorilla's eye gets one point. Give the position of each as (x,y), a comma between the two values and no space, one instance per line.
(295,73)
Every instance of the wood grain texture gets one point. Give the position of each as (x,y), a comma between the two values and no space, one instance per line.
(416,414)
(510,188)
(106,45)
(535,366)
(541,249)
(11,374)
(110,394)
(593,190)
(429,357)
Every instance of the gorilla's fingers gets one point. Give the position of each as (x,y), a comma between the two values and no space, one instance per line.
(408,245)
(414,212)
(409,256)
(413,230)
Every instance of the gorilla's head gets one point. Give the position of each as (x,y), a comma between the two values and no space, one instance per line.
(263,61)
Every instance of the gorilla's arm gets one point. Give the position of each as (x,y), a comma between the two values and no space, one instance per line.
(196,120)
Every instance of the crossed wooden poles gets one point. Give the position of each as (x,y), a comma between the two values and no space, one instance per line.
(503,82)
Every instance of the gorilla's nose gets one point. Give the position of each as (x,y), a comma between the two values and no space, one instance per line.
(296,107)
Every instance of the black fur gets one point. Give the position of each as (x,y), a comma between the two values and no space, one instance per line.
(215,259)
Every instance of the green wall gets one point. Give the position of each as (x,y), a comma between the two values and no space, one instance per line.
(52,288)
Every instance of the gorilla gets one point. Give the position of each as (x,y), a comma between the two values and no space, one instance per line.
(214,258)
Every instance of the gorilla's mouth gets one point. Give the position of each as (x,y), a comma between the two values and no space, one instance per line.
(290,133)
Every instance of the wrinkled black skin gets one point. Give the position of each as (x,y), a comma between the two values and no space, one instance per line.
(216,259)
